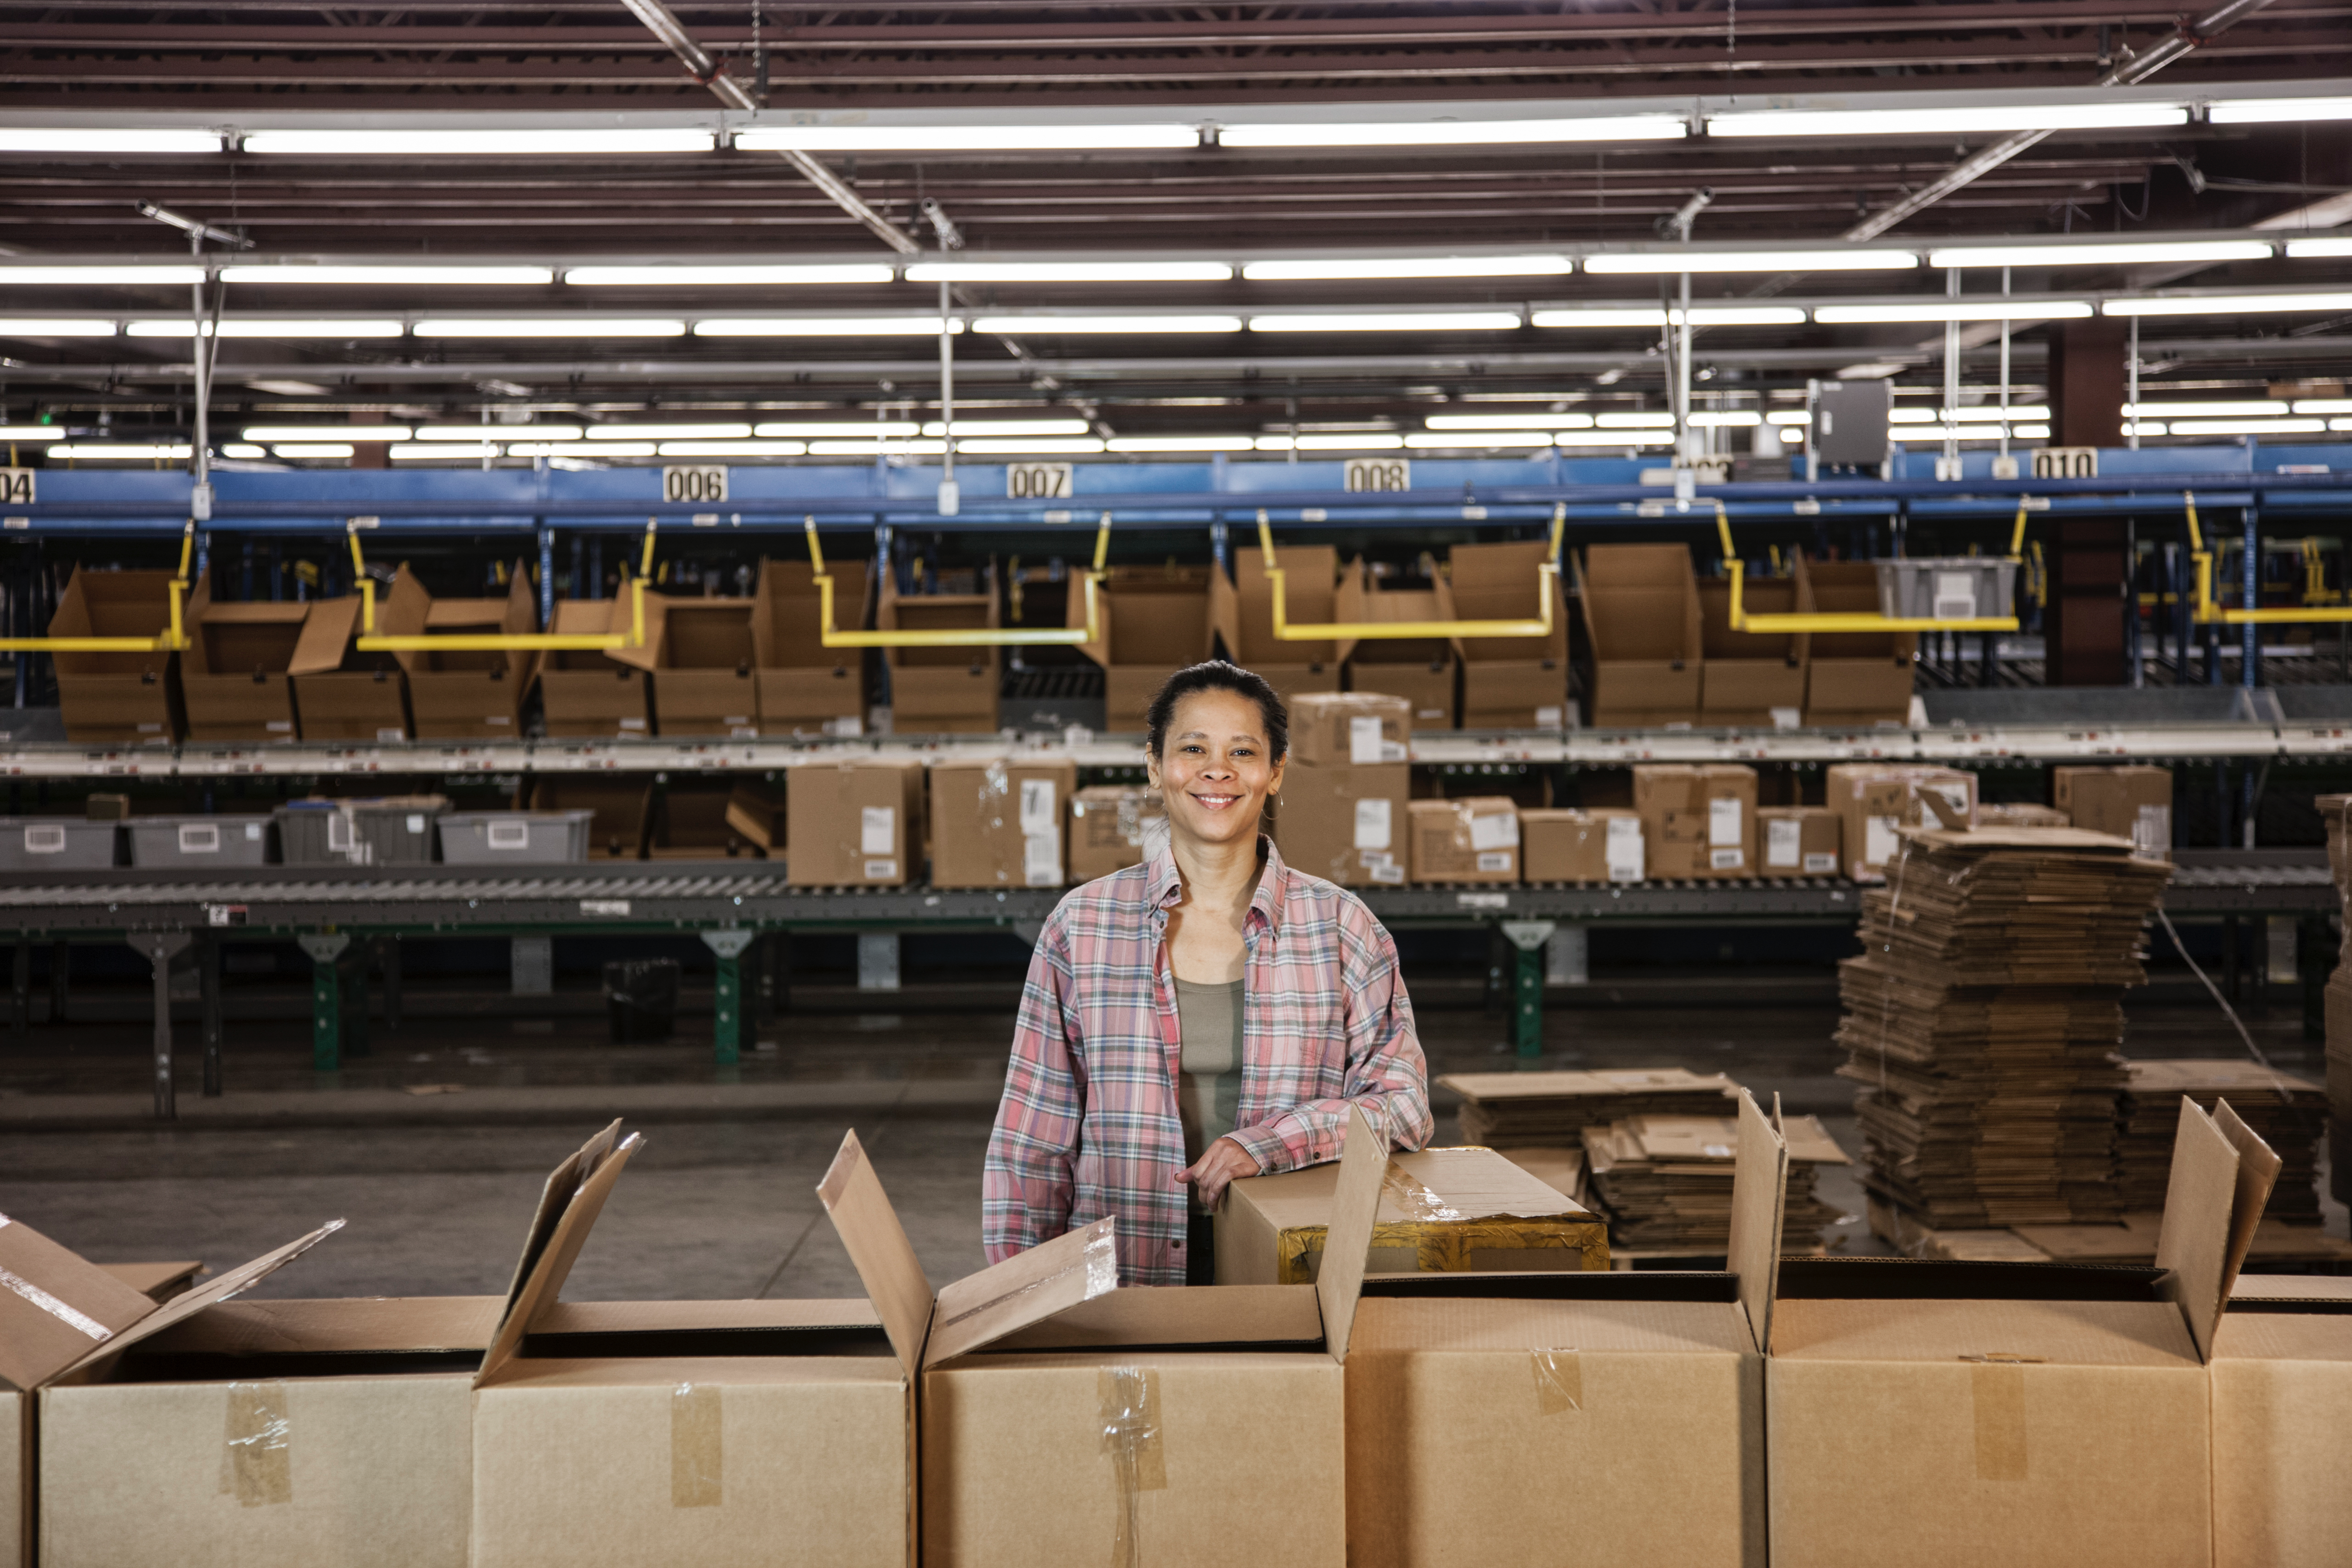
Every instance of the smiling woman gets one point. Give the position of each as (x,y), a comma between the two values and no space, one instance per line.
(1208,1015)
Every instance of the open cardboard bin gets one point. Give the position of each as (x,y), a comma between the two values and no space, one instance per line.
(941,690)
(236,672)
(703,667)
(805,687)
(1065,1419)
(1853,679)
(1241,610)
(1150,622)
(587,695)
(117,699)
(1641,620)
(1509,683)
(364,696)
(1422,670)
(1750,679)
(459,695)
(694,819)
(623,807)
(1505,1420)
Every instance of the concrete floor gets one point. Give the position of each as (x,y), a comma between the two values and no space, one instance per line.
(438,1185)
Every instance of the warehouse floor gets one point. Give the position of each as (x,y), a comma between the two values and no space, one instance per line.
(433,1147)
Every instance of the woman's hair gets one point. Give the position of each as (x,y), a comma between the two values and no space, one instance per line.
(1216,675)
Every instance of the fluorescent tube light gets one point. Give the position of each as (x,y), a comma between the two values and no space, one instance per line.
(824,327)
(1744,315)
(2228,304)
(966,138)
(1310,270)
(34,326)
(1629,316)
(250,327)
(1646,419)
(1655,316)
(1846,259)
(273,434)
(2007,308)
(106,138)
(391,274)
(921,448)
(23,277)
(669,432)
(2103,253)
(2315,250)
(1458,133)
(1424,439)
(734,448)
(2248,426)
(2144,428)
(312,449)
(839,429)
(1789,417)
(1726,419)
(550,327)
(243,452)
(1068,272)
(969,428)
(443,452)
(1391,321)
(2240,409)
(1949,122)
(30,432)
(1031,445)
(2323,405)
(2270,111)
(1049,325)
(2031,432)
(664,277)
(1179,444)
(1980,413)
(98,451)
(605,450)
(577,141)
(1365,441)
(1499,420)
(498,432)
(2339,423)
(1618,440)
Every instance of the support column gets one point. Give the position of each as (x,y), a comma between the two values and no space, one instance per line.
(2090,590)
(878,960)
(2088,376)
(532,962)
(60,979)
(388,962)
(1569,956)
(727,994)
(208,971)
(1528,939)
(326,952)
(20,994)
(161,948)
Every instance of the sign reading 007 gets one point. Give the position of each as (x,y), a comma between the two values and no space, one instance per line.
(1379,474)
(688,484)
(1036,481)
(16,486)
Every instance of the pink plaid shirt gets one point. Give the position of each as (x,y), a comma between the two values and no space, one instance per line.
(1088,1125)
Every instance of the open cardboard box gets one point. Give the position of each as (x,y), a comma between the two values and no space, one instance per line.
(364,696)
(455,696)
(1241,610)
(623,804)
(1150,624)
(693,819)
(117,699)
(703,666)
(1750,679)
(1509,683)
(941,690)
(1066,1419)
(1517,1420)
(1853,679)
(1641,609)
(1947,1413)
(588,695)
(1420,669)
(236,672)
(805,687)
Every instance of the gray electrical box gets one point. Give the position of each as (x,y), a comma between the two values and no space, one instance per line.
(1850,420)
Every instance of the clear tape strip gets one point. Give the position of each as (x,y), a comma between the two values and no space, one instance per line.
(1417,1201)
(1100,1260)
(63,1311)
(697,1457)
(1129,1409)
(1559,1381)
(256,1447)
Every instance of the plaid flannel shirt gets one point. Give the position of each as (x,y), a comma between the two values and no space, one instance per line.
(1088,1124)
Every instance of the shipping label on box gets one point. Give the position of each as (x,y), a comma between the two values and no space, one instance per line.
(1698,822)
(1345,823)
(850,823)
(1358,728)
(1798,840)
(1473,839)
(998,823)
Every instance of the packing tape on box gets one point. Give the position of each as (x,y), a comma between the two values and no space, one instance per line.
(64,1312)
(1099,1259)
(1129,1408)
(1997,1389)
(1559,1381)
(1416,1201)
(257,1445)
(698,1459)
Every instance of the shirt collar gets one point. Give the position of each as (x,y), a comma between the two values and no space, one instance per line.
(1265,905)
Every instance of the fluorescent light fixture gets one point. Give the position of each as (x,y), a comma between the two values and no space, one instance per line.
(669,432)
(20,277)
(2270,111)
(1366,441)
(1744,315)
(1645,420)
(1424,439)
(1726,419)
(249,327)
(1458,133)
(1655,316)
(1981,413)
(686,277)
(2101,253)
(1391,321)
(1949,122)
(572,141)
(2144,428)
(551,327)
(498,432)
(387,275)
(2005,309)
(1617,439)
(35,326)
(312,449)
(443,452)
(562,449)
(274,434)
(1179,444)
(86,451)
(2031,432)
(1499,420)
(1846,259)
(243,452)
(2228,304)
(1068,272)
(2248,426)
(1789,417)
(1628,316)
(2310,249)
(966,138)
(1049,325)
(838,429)
(824,327)
(608,449)
(968,427)
(2240,409)
(29,432)
(105,139)
(733,449)
(2323,405)
(277,388)
(924,448)
(2339,423)
(1396,267)
(1031,445)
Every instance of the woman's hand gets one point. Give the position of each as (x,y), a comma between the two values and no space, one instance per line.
(1224,1161)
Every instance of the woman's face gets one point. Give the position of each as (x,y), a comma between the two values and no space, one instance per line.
(1215,770)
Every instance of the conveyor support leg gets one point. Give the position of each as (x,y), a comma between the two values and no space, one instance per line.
(208,978)
(1568,956)
(160,949)
(878,960)
(727,994)
(326,954)
(1528,939)
(20,998)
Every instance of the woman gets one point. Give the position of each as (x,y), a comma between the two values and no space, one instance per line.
(1205,1015)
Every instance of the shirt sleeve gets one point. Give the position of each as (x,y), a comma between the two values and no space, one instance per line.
(1027,1184)
(1386,1072)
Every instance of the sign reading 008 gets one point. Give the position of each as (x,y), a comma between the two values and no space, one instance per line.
(694,483)
(1379,474)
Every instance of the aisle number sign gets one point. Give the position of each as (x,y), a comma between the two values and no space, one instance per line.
(699,483)
(2066,463)
(16,486)
(1379,474)
(1036,481)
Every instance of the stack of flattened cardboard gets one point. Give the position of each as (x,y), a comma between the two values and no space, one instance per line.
(2336,811)
(1983,1021)
(1665,1182)
(2289,1113)
(1552,1109)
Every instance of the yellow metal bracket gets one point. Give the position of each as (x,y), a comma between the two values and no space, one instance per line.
(1851,620)
(172,640)
(2208,613)
(830,635)
(371,641)
(1286,630)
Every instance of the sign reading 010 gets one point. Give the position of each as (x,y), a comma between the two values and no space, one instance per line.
(706,483)
(16,485)
(1036,481)
(1379,474)
(2066,463)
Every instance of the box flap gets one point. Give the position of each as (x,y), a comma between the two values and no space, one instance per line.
(2258,1172)
(327,632)
(621,616)
(1760,1194)
(55,1305)
(236,1281)
(156,1280)
(568,1206)
(331,1326)
(877,1246)
(1228,1317)
(2194,1245)
(1347,1242)
(1025,1289)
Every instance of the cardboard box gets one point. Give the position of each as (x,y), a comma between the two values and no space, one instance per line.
(624,808)
(236,672)
(1113,826)
(1241,610)
(1336,729)
(703,668)
(805,687)
(1797,841)
(1639,603)
(600,696)
(941,690)
(1697,822)
(854,824)
(364,696)
(458,696)
(117,699)
(1066,1419)
(1963,1412)
(2133,803)
(1420,669)
(1872,799)
(1346,825)
(1509,683)
(1442,1211)
(2281,1374)
(1751,679)
(1602,1417)
(756,811)
(1473,839)
(1853,680)
(1559,845)
(1150,622)
(998,823)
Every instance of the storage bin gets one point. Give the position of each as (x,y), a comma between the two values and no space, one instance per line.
(55,844)
(198,840)
(1948,588)
(391,830)
(515,837)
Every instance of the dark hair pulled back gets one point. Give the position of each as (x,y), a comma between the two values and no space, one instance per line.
(1216,675)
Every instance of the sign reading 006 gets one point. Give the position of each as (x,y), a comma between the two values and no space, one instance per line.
(708,483)
(1379,474)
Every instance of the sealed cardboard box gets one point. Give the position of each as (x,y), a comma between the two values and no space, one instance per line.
(2133,803)
(1065,1419)
(600,696)
(1620,1411)
(1356,727)
(1750,678)
(998,823)
(236,672)
(1798,840)
(1346,825)
(454,695)
(1472,839)
(364,696)
(1698,822)
(117,699)
(623,807)
(1113,826)
(703,676)
(941,690)
(1241,610)
(1511,683)
(1442,1211)
(805,687)
(1422,670)
(1856,679)
(1639,603)
(2281,1376)
(1874,799)
(853,824)
(1149,624)
(1561,845)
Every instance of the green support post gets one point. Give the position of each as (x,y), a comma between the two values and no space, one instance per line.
(727,995)
(326,998)
(1528,938)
